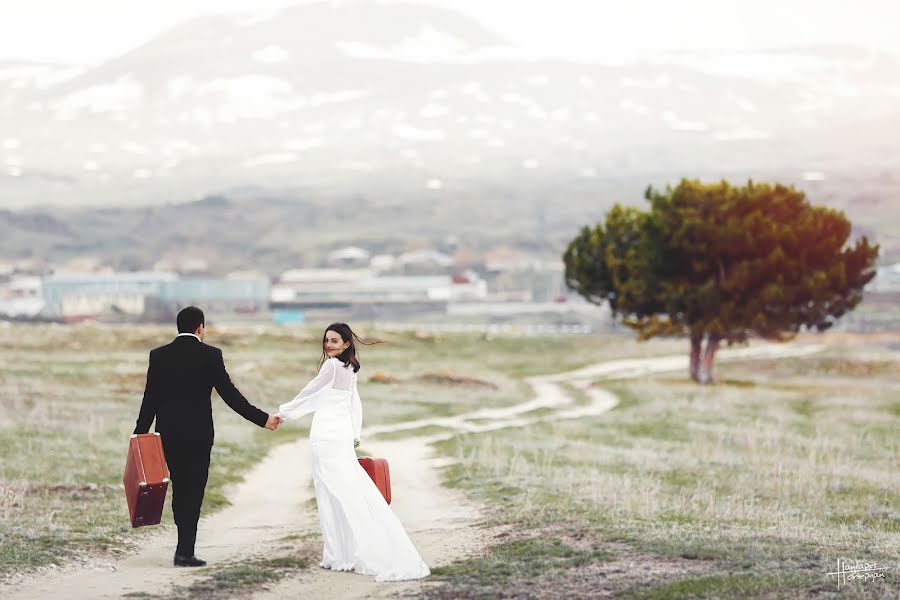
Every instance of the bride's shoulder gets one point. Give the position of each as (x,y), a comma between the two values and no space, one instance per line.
(338,363)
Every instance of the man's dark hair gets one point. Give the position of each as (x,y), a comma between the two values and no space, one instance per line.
(189,319)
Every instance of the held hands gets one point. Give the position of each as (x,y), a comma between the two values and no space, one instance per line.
(274,422)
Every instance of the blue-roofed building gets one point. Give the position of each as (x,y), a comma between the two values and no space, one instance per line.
(78,296)
(150,295)
(216,295)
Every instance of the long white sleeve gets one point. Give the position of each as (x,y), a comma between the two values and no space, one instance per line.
(356,410)
(307,400)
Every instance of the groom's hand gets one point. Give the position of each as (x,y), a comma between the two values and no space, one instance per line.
(273,422)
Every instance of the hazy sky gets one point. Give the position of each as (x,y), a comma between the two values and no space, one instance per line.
(89,31)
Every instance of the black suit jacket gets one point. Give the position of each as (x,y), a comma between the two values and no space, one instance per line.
(180,379)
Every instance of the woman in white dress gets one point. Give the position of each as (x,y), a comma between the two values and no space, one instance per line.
(360,531)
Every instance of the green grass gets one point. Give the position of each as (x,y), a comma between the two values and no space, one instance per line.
(521,558)
(69,396)
(747,488)
(737,586)
(826,366)
(301,537)
(239,580)
(762,485)
(426,430)
(580,396)
(233,580)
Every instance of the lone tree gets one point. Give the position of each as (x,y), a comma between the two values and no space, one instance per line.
(718,263)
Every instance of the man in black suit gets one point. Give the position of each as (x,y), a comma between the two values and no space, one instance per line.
(180,379)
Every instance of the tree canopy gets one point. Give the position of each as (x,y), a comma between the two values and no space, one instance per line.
(722,263)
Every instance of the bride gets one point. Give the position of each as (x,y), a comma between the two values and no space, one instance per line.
(360,531)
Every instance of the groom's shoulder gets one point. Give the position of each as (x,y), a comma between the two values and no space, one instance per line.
(160,349)
(202,347)
(211,350)
(203,351)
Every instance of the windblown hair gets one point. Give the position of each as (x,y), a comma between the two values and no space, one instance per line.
(348,356)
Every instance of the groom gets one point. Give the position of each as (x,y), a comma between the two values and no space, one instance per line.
(179,382)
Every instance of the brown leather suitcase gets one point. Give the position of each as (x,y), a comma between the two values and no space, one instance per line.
(377,468)
(146,479)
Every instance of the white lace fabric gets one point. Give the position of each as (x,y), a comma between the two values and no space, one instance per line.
(359,530)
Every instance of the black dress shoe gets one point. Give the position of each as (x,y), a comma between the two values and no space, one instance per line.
(188,561)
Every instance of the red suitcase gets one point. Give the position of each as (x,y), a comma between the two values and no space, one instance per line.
(146,479)
(377,468)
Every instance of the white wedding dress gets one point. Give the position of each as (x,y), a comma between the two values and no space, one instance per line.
(360,531)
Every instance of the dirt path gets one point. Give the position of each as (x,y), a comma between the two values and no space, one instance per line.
(276,499)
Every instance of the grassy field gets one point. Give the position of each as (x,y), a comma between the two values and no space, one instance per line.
(753,487)
(69,396)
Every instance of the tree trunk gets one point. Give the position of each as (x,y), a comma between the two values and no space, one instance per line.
(709,357)
(696,342)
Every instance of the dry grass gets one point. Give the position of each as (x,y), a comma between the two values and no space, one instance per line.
(766,480)
(69,396)
(751,487)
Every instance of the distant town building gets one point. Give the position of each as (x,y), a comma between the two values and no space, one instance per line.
(383,262)
(334,288)
(85,264)
(21,297)
(149,294)
(185,265)
(503,259)
(22,266)
(80,296)
(349,257)
(246,275)
(216,295)
(426,257)
(320,276)
(7,268)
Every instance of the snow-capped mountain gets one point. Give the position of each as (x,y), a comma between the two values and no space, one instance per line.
(396,100)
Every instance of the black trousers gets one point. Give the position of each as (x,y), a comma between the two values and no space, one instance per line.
(188,463)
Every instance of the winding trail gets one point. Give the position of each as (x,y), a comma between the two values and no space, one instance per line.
(276,501)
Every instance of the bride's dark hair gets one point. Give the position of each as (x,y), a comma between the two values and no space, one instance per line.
(348,356)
